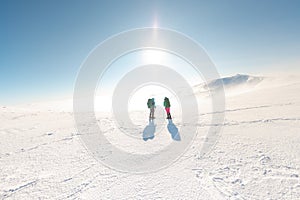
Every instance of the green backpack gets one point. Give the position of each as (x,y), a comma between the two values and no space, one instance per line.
(149,103)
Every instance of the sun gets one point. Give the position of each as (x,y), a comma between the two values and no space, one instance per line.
(152,56)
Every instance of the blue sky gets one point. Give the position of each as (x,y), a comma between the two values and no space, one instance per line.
(43,43)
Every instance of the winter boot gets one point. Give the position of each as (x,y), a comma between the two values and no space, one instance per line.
(169,116)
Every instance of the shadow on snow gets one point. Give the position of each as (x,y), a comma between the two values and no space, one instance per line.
(173,130)
(149,131)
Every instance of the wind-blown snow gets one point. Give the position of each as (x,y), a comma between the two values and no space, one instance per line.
(234,81)
(256,157)
(236,84)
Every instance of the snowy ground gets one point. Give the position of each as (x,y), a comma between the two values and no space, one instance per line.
(256,157)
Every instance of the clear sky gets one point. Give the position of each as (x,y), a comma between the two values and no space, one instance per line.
(43,43)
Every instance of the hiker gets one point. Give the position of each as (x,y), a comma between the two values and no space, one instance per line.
(167,106)
(151,106)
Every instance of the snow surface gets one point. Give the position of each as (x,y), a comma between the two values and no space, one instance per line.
(256,157)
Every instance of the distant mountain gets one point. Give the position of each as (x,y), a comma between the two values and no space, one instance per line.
(230,82)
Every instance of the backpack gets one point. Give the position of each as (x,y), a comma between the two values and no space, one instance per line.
(149,103)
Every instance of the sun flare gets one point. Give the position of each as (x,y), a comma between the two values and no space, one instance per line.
(153,56)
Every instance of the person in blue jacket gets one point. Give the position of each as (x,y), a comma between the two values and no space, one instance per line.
(151,106)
